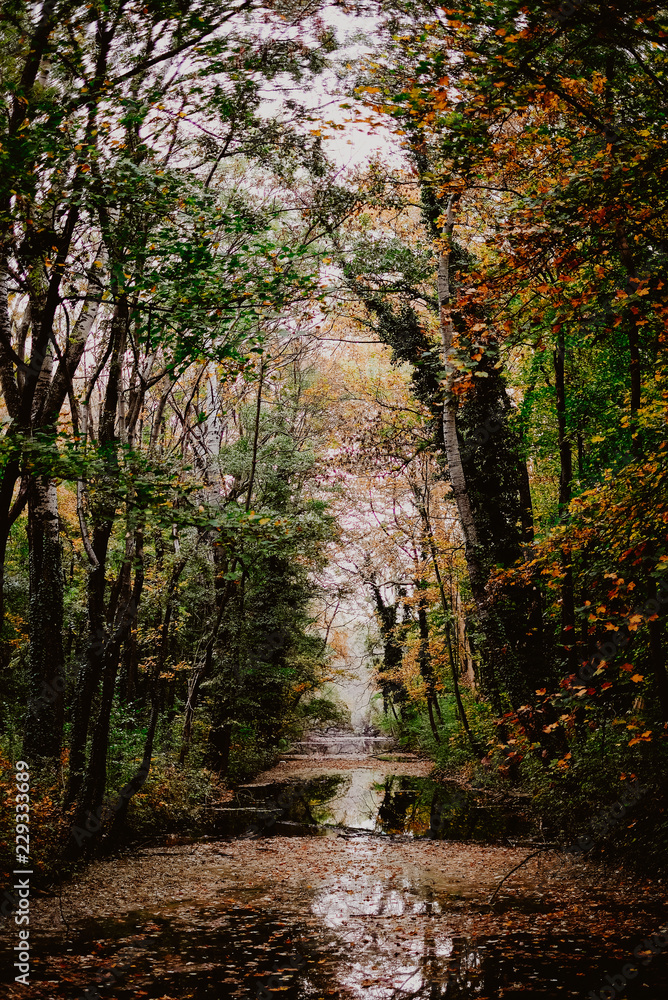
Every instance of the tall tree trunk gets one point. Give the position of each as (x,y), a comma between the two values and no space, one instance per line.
(10,392)
(392,650)
(91,795)
(453,668)
(202,670)
(447,613)
(526,505)
(94,662)
(136,782)
(8,481)
(452,450)
(129,678)
(565,456)
(424,660)
(91,669)
(125,595)
(220,734)
(658,657)
(568,634)
(633,336)
(44,720)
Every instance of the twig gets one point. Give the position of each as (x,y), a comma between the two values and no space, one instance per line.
(62,915)
(528,858)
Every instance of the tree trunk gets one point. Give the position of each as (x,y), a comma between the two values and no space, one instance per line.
(565,456)
(91,795)
(91,669)
(424,659)
(453,668)
(8,483)
(135,784)
(98,641)
(658,658)
(568,636)
(44,720)
(392,650)
(526,505)
(452,451)
(10,393)
(203,669)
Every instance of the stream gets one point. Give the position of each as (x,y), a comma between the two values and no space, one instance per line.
(347,872)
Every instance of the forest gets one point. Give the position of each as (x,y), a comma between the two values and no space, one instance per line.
(309,305)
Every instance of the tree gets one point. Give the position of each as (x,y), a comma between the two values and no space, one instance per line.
(519,127)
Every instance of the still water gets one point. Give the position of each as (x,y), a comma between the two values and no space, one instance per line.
(361,933)
(374,802)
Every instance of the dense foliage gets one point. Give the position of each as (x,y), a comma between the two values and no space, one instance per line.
(537,153)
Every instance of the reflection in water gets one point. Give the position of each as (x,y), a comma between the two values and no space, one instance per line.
(368,800)
(420,807)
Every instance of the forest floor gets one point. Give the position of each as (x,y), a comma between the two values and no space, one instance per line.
(344,912)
